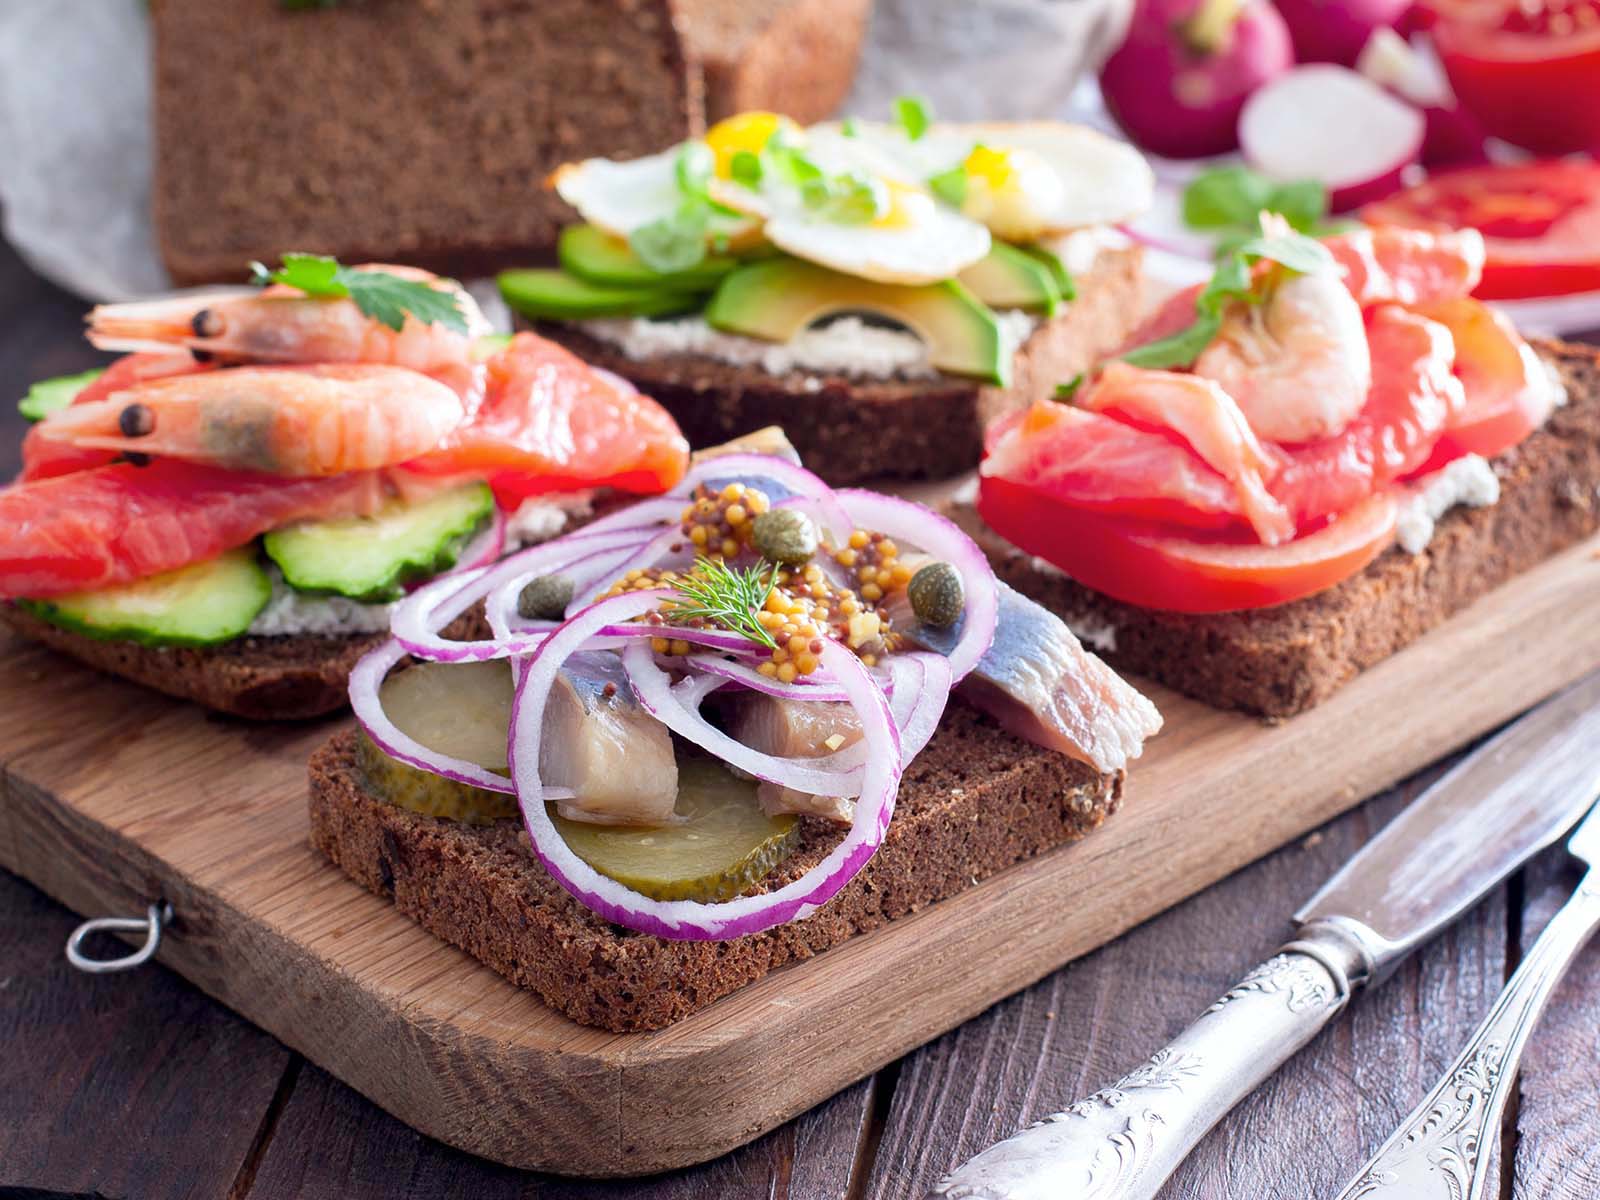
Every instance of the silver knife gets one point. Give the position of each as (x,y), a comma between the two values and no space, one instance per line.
(1441,1149)
(1499,806)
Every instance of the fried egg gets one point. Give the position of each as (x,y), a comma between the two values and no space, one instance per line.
(620,197)
(1023,180)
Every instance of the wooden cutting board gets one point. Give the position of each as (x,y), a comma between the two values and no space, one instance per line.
(113,797)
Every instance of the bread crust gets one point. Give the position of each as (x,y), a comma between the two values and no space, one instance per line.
(796,57)
(1276,662)
(851,430)
(975,801)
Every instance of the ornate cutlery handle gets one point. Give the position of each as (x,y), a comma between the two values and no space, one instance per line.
(1441,1149)
(1123,1141)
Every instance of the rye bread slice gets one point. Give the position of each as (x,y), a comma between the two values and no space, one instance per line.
(975,801)
(262,678)
(1275,662)
(398,132)
(848,430)
(796,57)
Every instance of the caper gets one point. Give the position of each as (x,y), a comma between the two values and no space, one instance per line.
(784,535)
(545,598)
(937,597)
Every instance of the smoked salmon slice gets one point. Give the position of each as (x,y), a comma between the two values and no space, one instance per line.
(114,524)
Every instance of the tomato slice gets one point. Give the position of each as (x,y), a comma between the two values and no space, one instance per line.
(1509,393)
(1093,461)
(1530,72)
(1142,565)
(549,422)
(1540,221)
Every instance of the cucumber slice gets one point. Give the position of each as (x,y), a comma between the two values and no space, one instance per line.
(199,605)
(597,257)
(558,296)
(371,559)
(1007,277)
(51,395)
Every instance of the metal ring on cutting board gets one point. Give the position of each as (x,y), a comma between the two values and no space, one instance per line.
(156,916)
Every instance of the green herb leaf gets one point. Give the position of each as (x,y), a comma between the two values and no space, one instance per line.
(1231,281)
(1069,389)
(52,395)
(913,115)
(850,127)
(1303,204)
(676,243)
(1226,196)
(745,168)
(385,297)
(729,596)
(694,168)
(950,186)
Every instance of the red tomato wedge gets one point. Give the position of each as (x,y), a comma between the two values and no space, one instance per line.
(115,524)
(1509,393)
(1092,461)
(1413,399)
(1529,71)
(43,457)
(1143,565)
(550,422)
(1540,222)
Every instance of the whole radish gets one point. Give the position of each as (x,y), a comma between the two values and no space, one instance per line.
(1178,81)
(1336,30)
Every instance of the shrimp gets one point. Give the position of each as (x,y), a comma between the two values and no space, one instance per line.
(283,325)
(1297,364)
(1409,266)
(291,421)
(1207,418)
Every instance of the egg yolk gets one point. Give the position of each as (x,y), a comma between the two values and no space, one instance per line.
(750,131)
(905,206)
(994,167)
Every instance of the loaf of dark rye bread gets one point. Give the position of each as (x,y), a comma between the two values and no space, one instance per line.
(849,430)
(398,132)
(422,133)
(1275,662)
(975,801)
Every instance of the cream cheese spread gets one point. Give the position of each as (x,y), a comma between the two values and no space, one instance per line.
(289,612)
(540,518)
(1468,480)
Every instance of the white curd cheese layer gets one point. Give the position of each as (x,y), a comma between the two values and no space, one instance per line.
(289,612)
(1469,480)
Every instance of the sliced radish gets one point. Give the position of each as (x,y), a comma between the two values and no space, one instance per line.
(1330,124)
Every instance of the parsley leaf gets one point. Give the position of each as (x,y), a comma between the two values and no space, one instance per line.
(1066,391)
(51,395)
(1230,200)
(950,186)
(385,297)
(1231,282)
(913,115)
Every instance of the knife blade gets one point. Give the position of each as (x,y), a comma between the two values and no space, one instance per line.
(1507,800)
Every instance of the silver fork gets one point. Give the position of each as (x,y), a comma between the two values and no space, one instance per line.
(1443,1148)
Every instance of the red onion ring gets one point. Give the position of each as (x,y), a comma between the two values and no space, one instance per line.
(749,677)
(797,481)
(366,702)
(688,919)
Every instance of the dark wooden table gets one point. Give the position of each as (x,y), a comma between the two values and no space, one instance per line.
(140,1086)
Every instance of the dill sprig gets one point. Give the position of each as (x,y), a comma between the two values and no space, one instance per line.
(730,596)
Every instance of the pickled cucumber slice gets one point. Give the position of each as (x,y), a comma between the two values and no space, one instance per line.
(724,845)
(459,709)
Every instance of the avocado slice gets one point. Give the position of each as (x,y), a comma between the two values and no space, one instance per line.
(595,256)
(1007,277)
(1055,265)
(558,296)
(778,298)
